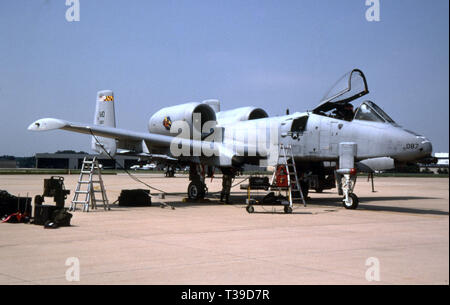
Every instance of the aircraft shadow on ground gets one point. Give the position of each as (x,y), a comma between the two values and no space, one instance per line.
(369,207)
(238,201)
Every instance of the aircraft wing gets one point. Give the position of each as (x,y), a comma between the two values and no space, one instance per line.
(102,131)
(133,137)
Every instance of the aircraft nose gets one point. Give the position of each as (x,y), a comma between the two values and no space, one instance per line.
(426,148)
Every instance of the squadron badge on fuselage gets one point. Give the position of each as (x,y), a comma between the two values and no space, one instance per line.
(167,123)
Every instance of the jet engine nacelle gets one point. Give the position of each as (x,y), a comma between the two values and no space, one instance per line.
(241,114)
(161,121)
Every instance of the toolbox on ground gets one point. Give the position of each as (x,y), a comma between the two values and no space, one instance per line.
(256,183)
(137,197)
(49,213)
(43,213)
(10,204)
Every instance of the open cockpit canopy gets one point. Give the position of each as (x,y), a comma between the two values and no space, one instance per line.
(349,87)
(337,101)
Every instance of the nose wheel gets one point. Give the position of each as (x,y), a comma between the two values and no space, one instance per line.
(351,202)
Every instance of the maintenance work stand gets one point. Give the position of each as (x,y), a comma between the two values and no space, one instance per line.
(284,179)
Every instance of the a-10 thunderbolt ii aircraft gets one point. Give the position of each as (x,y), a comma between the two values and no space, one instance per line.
(329,144)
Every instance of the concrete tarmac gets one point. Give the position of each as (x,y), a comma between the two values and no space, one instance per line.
(400,232)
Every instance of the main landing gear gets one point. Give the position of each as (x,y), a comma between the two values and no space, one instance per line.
(197,188)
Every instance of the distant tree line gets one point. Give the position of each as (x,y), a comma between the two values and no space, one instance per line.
(26,162)
(71,152)
(410,168)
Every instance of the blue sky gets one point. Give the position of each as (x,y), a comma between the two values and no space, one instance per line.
(270,54)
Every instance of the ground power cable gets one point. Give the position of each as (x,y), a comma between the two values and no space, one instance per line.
(146,184)
(130,175)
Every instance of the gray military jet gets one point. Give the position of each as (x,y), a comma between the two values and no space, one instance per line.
(330,144)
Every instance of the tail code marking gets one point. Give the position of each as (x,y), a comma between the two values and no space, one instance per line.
(107,98)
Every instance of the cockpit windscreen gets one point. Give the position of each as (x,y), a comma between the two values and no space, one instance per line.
(369,111)
(382,113)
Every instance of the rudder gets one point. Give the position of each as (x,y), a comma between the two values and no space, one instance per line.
(104,116)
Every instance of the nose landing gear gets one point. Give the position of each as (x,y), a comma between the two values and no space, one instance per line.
(346,174)
(346,184)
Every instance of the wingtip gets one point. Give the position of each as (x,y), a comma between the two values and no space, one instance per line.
(46,124)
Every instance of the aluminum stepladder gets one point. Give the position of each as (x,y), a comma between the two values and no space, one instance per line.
(286,159)
(90,169)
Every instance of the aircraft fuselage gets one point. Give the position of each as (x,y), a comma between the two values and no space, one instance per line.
(319,139)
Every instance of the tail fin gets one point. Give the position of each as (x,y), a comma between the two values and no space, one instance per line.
(104,116)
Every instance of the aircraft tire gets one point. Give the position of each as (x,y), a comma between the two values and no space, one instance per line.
(250,209)
(287,209)
(354,201)
(196,190)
